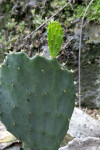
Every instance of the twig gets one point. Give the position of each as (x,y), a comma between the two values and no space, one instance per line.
(47,20)
(79,58)
(71,6)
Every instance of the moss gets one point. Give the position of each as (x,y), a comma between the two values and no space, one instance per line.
(15,26)
(36,19)
(93,13)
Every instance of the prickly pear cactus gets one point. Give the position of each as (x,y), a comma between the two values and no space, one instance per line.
(37,98)
(55,38)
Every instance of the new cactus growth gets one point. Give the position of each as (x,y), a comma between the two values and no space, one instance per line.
(37,98)
(55,38)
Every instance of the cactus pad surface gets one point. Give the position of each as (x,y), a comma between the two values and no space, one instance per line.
(37,98)
(55,38)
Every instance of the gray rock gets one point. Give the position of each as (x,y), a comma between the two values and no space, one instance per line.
(90,63)
(82,125)
(92,30)
(14,148)
(89,143)
(45,50)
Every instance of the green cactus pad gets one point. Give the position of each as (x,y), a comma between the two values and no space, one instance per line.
(25,146)
(55,38)
(37,98)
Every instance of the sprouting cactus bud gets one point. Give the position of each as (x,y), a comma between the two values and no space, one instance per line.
(55,38)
